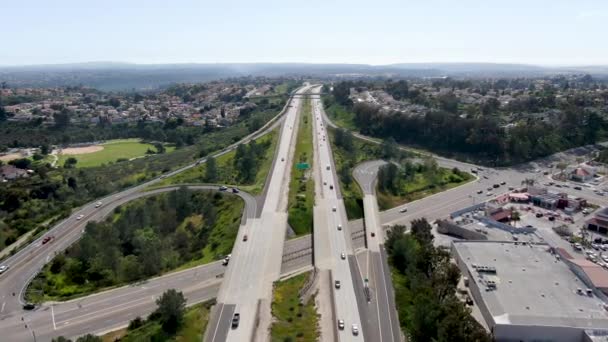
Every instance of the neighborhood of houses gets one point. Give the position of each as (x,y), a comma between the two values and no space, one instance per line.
(216,103)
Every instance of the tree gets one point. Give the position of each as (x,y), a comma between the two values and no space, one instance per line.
(389,148)
(22,163)
(61,339)
(89,338)
(72,183)
(70,163)
(3,115)
(62,119)
(171,308)
(421,231)
(45,149)
(160,148)
(211,170)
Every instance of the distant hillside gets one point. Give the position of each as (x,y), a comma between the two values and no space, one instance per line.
(124,76)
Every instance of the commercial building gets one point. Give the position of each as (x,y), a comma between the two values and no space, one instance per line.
(599,223)
(526,292)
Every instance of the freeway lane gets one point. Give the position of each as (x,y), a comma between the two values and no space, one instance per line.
(247,288)
(333,236)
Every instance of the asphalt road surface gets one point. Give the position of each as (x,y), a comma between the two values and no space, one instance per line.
(247,288)
(335,242)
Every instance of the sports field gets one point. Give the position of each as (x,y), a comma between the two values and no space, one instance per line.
(110,151)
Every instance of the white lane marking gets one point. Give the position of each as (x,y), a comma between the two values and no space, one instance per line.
(53,317)
(219,320)
(3,304)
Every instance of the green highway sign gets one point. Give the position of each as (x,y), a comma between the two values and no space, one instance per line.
(302,166)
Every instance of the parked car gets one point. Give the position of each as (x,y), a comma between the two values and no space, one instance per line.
(503,183)
(496,186)
(480,191)
(539,214)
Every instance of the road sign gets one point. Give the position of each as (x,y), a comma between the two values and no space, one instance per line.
(302,166)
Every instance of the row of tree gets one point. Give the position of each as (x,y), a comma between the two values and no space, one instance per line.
(425,288)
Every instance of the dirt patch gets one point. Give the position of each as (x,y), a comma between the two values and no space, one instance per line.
(81,150)
(11,156)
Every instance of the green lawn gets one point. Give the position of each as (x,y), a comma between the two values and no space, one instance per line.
(195,323)
(351,193)
(112,151)
(301,185)
(339,115)
(227,173)
(294,321)
(421,186)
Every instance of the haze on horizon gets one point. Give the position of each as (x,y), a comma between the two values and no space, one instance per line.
(541,32)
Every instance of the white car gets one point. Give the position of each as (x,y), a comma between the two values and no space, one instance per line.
(343,256)
(79,217)
(355,330)
(403,210)
(98,204)
(339,227)
(3,269)
(333,209)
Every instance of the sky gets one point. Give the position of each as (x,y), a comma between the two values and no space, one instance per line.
(541,32)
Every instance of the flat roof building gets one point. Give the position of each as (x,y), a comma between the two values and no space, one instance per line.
(526,292)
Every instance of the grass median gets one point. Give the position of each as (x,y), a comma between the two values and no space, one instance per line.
(301,184)
(293,319)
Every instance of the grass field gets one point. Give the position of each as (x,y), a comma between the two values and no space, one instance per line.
(195,323)
(112,151)
(301,185)
(421,187)
(340,116)
(351,193)
(227,173)
(294,321)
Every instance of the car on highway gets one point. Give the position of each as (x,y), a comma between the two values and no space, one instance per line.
(327,166)
(282,159)
(98,204)
(235,190)
(223,188)
(342,256)
(480,191)
(511,188)
(339,227)
(489,194)
(341,324)
(3,268)
(496,186)
(489,189)
(226,260)
(355,330)
(403,210)
(337,284)
(331,187)
(47,239)
(485,177)
(29,306)
(245,237)
(503,183)
(235,320)
(79,217)
(333,208)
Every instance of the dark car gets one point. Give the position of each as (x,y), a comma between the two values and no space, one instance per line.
(496,186)
(551,218)
(235,190)
(235,320)
(578,188)
(29,306)
(47,239)
(539,214)
(245,237)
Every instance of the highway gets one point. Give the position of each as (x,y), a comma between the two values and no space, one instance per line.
(332,236)
(381,314)
(247,288)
